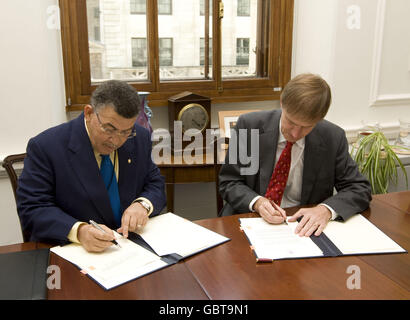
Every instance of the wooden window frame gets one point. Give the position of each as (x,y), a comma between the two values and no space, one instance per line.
(277,57)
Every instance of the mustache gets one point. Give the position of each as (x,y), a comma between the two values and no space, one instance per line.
(111,145)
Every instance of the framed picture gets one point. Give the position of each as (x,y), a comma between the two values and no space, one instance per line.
(227,120)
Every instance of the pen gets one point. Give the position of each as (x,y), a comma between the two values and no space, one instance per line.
(101,229)
(277,208)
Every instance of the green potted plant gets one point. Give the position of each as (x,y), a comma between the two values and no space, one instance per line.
(378,161)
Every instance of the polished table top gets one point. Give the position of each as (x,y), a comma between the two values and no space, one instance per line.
(230,271)
(399,200)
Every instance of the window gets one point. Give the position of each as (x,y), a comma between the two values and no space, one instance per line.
(166,47)
(243,8)
(139,52)
(138,6)
(242,51)
(97,33)
(97,12)
(164,6)
(165,52)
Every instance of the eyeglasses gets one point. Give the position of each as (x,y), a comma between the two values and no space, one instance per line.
(110,130)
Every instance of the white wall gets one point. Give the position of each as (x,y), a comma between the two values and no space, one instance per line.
(368,69)
(361,48)
(31,88)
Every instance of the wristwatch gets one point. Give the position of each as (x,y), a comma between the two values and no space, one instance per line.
(145,204)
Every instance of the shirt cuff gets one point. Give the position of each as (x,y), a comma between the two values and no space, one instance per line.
(253,202)
(333,212)
(150,204)
(72,235)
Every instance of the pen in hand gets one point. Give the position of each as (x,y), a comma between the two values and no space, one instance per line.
(96,225)
(281,211)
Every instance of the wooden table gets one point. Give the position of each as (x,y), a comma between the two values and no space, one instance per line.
(399,200)
(230,271)
(171,283)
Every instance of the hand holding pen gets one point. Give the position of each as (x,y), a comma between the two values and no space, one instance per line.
(95,239)
(269,211)
(280,210)
(96,225)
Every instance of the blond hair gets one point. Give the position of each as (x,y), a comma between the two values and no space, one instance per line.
(306,96)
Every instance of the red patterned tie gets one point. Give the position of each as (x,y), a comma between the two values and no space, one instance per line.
(280,175)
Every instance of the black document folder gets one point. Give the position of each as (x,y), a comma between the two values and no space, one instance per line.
(23,275)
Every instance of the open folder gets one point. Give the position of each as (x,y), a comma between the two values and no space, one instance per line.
(355,236)
(164,241)
(23,275)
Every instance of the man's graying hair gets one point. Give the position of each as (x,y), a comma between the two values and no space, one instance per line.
(119,95)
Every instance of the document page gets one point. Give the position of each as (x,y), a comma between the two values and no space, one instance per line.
(113,266)
(278,241)
(358,235)
(169,233)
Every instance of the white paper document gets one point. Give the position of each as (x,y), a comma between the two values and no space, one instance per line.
(274,242)
(359,236)
(354,236)
(115,265)
(169,233)
(165,234)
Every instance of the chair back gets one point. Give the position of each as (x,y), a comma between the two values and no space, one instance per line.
(8,164)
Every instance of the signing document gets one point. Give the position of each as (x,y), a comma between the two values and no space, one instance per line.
(169,236)
(115,265)
(352,237)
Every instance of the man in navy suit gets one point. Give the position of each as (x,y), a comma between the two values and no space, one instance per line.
(61,187)
(320,162)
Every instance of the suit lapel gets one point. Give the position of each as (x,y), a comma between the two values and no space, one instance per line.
(127,183)
(85,167)
(313,159)
(268,143)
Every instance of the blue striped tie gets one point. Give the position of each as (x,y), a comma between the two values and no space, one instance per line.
(110,181)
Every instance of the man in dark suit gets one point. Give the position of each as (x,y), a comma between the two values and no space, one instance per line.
(63,184)
(319,162)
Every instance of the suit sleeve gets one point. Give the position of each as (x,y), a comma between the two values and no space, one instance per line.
(353,189)
(154,184)
(232,184)
(36,206)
